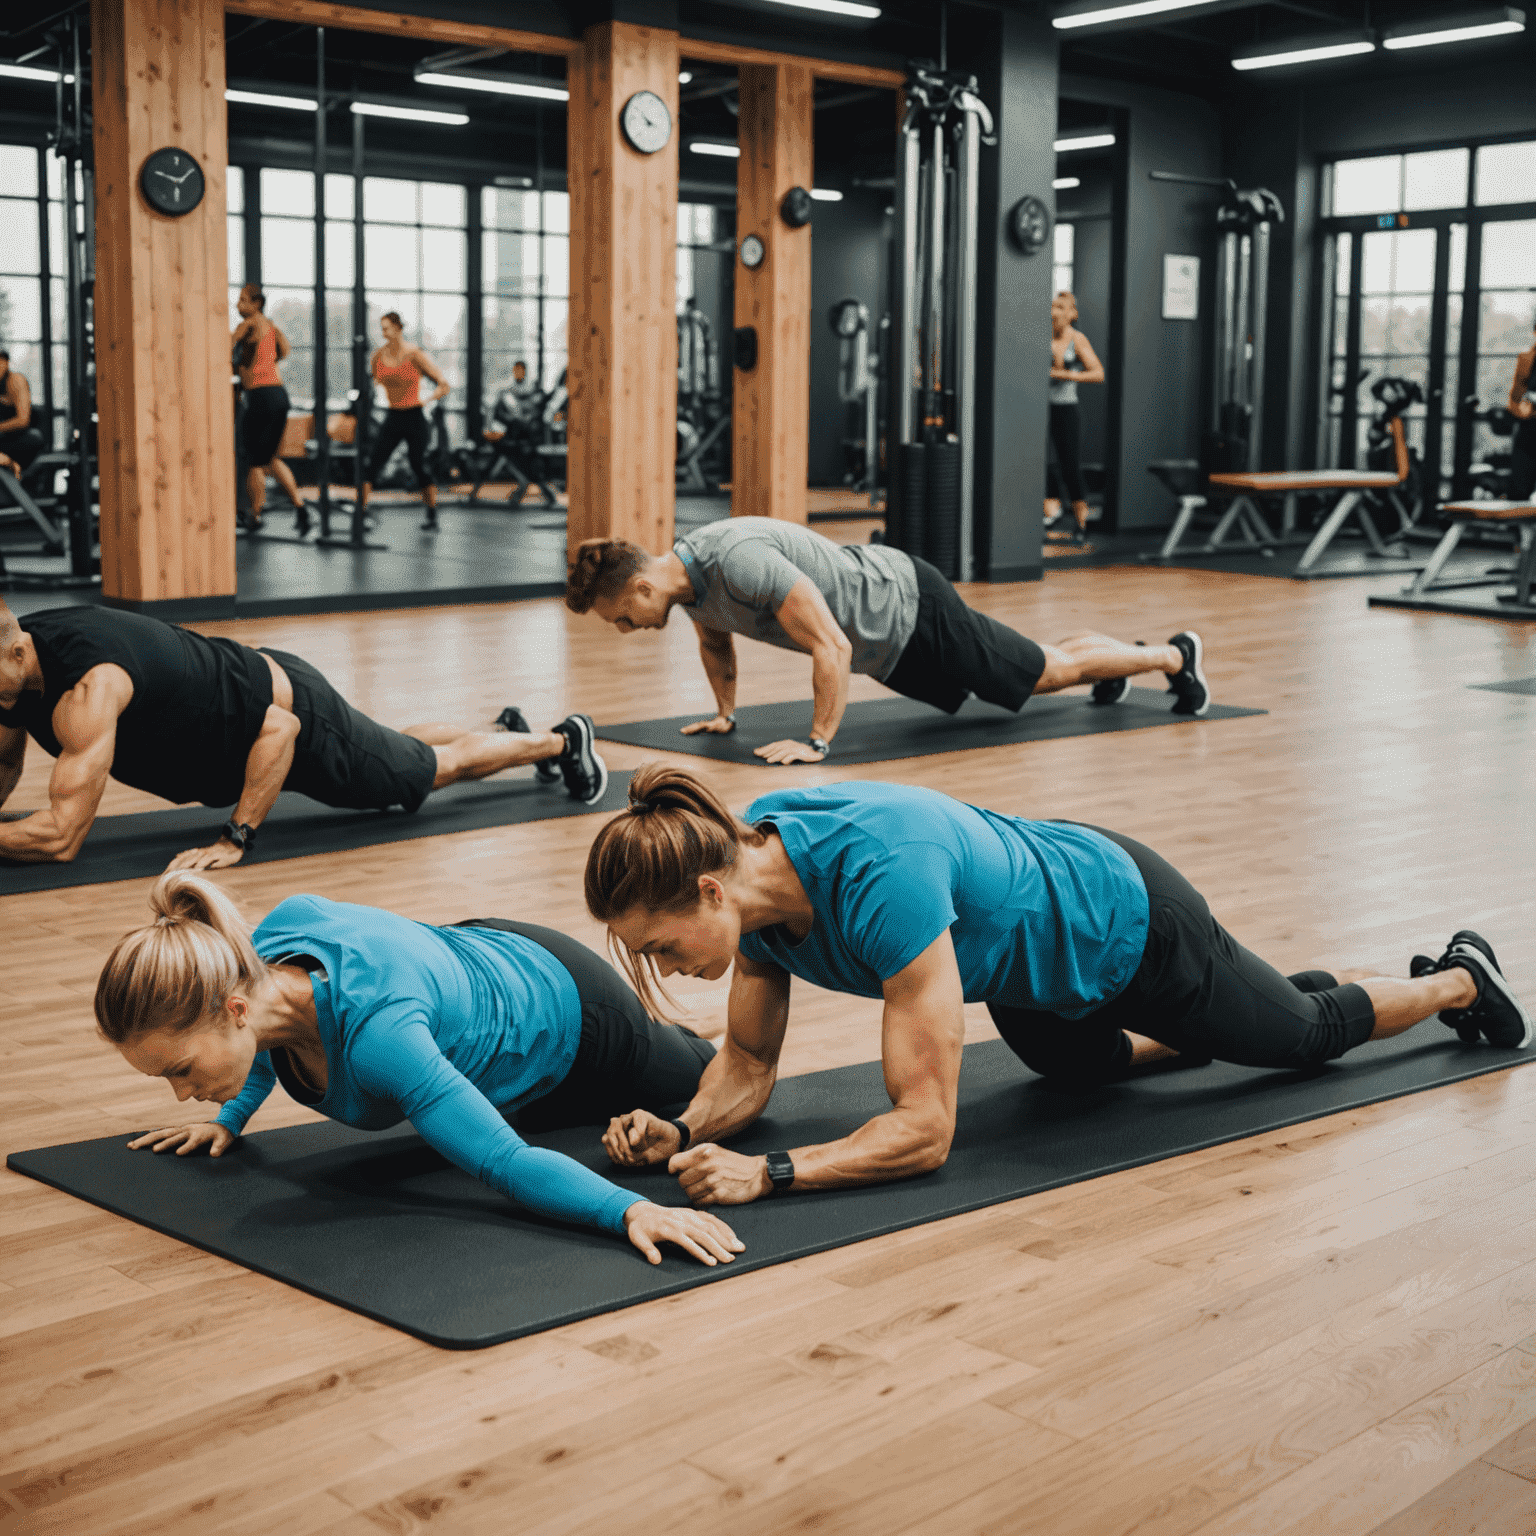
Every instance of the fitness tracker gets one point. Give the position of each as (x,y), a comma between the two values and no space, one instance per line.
(238,833)
(781,1171)
(684,1134)
(816,744)
(730,719)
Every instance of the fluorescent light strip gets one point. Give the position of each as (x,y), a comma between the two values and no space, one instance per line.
(826,195)
(262,99)
(1065,183)
(1088,141)
(409,114)
(1125,12)
(27,72)
(1305,55)
(493,87)
(723,151)
(1453,35)
(834,8)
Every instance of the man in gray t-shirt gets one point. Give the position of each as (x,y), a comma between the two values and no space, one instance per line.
(852,608)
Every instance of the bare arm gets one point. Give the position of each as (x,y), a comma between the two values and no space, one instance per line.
(806,619)
(432,371)
(717,650)
(281,343)
(922,1038)
(20,395)
(1092,370)
(85,722)
(13,753)
(1525,365)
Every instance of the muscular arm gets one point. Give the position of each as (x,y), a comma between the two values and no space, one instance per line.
(806,619)
(20,394)
(432,371)
(13,753)
(717,650)
(85,722)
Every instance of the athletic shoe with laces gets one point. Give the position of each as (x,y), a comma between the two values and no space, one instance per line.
(546,770)
(1497,1014)
(1193,693)
(1111,691)
(585,773)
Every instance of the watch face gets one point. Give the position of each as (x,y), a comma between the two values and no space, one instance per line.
(172,181)
(646,122)
(1030,223)
(752,252)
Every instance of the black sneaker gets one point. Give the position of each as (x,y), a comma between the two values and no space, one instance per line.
(1111,691)
(1188,683)
(1497,1014)
(546,770)
(585,773)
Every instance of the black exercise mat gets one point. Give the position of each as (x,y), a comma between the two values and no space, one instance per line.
(138,846)
(881,730)
(1516,685)
(381,1224)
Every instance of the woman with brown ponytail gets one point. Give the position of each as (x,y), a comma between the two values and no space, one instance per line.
(372,1019)
(1092,954)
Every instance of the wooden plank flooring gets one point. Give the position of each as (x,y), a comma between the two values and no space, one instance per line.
(1329,1329)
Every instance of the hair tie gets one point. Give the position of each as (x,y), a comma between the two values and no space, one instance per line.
(640,807)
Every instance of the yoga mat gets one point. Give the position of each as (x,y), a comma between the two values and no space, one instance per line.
(379,1223)
(881,730)
(1516,685)
(139,846)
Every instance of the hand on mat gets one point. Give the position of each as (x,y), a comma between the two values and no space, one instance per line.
(220,856)
(706,1237)
(639,1139)
(711,1175)
(188,1138)
(790,751)
(719,726)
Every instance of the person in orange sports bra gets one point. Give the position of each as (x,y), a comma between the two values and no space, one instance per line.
(399,368)
(258,347)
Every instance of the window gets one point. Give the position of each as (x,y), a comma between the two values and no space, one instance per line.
(1506,173)
(1506,312)
(525,283)
(1061,260)
(1435,178)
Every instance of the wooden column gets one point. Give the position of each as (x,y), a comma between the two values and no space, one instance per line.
(623,320)
(770,403)
(162,332)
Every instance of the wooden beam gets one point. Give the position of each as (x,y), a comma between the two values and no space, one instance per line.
(166,430)
(770,403)
(823,69)
(322,13)
(622,437)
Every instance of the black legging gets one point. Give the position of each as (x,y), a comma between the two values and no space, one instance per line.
(626,1060)
(1198,990)
(1522,461)
(410,427)
(1064,466)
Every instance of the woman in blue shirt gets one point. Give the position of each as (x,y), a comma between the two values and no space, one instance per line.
(1092,954)
(373,1019)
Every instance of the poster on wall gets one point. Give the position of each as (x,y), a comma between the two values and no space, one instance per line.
(1181,287)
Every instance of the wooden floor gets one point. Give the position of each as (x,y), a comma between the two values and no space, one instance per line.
(1330,1329)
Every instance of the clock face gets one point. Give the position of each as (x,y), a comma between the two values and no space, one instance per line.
(172,182)
(1030,224)
(646,122)
(752,252)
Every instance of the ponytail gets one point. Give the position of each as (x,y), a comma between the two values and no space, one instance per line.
(601,570)
(181,969)
(652,855)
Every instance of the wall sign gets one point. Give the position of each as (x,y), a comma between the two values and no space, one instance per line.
(1181,287)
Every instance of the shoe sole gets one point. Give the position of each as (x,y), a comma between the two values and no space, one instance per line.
(1493,975)
(1196,668)
(588,733)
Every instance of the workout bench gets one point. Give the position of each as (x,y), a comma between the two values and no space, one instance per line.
(1521,515)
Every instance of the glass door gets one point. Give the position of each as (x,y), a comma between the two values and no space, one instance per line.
(1506,308)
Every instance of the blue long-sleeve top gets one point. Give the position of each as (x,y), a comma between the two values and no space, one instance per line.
(449,1028)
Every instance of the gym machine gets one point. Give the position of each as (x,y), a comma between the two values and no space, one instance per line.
(931,504)
(858,382)
(703,416)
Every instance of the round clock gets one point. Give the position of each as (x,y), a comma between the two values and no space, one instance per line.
(1029,222)
(172,182)
(752,252)
(646,122)
(796,208)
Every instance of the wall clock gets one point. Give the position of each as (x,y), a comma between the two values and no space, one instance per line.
(1029,222)
(752,252)
(172,182)
(646,122)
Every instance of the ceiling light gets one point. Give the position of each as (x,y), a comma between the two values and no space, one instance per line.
(684,76)
(262,99)
(1065,183)
(495,85)
(1304,50)
(723,151)
(27,72)
(409,114)
(834,8)
(826,195)
(1499,22)
(1085,141)
(1100,14)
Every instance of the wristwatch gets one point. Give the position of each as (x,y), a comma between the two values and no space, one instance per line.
(781,1171)
(816,744)
(238,833)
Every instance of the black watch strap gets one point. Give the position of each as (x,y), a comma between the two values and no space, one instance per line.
(684,1134)
(238,833)
(781,1171)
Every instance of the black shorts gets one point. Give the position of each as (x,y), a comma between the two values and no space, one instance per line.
(345,759)
(266,419)
(1198,990)
(955,652)
(626,1060)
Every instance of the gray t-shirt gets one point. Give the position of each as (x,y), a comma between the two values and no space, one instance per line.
(743,567)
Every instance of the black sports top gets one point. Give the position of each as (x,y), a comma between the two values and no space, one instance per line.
(198,704)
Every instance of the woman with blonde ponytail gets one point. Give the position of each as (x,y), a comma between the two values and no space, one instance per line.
(373,1019)
(1093,955)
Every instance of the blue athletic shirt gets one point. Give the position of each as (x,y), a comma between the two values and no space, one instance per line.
(449,1028)
(1043,914)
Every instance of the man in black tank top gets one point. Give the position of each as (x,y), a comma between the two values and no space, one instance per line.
(191,717)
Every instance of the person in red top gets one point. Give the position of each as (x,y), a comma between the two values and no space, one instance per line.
(258,348)
(399,368)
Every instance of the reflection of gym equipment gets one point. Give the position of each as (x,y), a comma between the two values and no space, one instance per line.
(510,443)
(858,383)
(1491,474)
(933,367)
(703,418)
